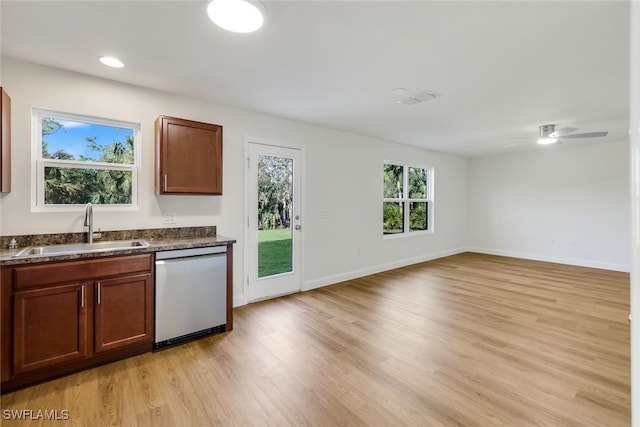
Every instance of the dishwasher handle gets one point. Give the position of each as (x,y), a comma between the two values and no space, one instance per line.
(185,253)
(195,258)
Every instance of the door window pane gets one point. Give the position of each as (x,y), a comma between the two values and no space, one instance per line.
(275,202)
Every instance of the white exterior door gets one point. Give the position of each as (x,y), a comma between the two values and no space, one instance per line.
(273,222)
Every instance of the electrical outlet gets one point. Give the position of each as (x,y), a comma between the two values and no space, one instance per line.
(168,217)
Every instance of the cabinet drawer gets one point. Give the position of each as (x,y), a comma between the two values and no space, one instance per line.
(33,276)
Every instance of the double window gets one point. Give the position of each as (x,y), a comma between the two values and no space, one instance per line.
(80,159)
(407,205)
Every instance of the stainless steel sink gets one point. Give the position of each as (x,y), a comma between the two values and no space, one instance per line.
(82,247)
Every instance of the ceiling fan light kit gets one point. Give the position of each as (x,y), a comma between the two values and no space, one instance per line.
(547,135)
(547,141)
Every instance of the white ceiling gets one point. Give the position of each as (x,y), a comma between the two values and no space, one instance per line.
(502,67)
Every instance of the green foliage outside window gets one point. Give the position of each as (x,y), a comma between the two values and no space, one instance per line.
(393,218)
(402,192)
(71,182)
(275,192)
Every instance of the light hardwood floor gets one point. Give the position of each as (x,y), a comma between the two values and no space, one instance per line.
(467,340)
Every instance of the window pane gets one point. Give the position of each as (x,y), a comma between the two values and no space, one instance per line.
(417,183)
(275,208)
(75,140)
(392,217)
(418,220)
(393,182)
(64,186)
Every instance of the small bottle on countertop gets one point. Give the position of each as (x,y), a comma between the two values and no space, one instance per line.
(13,244)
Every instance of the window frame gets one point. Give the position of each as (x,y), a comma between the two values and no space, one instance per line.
(38,163)
(405,200)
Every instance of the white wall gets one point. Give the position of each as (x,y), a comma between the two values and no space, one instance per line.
(634,121)
(343,177)
(567,204)
(352,199)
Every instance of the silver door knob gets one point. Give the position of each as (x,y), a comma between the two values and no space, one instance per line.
(298,227)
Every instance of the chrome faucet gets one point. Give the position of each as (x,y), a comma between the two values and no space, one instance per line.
(88,221)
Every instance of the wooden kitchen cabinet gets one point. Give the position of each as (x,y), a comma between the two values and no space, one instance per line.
(70,315)
(124,311)
(5,142)
(188,157)
(50,326)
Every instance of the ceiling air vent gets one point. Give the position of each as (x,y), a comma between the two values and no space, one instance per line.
(427,95)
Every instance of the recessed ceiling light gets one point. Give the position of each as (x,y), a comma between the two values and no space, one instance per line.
(111,61)
(238,16)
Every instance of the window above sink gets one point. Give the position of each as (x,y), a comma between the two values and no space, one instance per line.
(79,159)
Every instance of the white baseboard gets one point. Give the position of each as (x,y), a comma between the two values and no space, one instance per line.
(354,274)
(550,258)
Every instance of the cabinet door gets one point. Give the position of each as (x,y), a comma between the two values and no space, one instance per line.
(123,311)
(50,326)
(189,157)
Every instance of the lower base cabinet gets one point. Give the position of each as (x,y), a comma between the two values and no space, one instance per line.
(123,312)
(50,327)
(66,316)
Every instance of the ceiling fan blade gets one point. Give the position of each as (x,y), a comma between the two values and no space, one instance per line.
(514,142)
(560,132)
(586,135)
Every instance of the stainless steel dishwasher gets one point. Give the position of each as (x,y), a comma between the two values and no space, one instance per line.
(191,294)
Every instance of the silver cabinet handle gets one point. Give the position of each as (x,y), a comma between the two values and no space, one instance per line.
(99,293)
(82,297)
(165,182)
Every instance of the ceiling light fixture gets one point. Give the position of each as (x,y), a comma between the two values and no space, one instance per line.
(238,16)
(111,61)
(547,135)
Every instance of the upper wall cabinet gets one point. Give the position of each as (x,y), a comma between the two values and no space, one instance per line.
(5,149)
(188,157)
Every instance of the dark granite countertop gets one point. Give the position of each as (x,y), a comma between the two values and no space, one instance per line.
(157,242)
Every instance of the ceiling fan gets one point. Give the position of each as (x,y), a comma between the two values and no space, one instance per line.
(548,134)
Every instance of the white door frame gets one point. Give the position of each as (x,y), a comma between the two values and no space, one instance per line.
(248,255)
